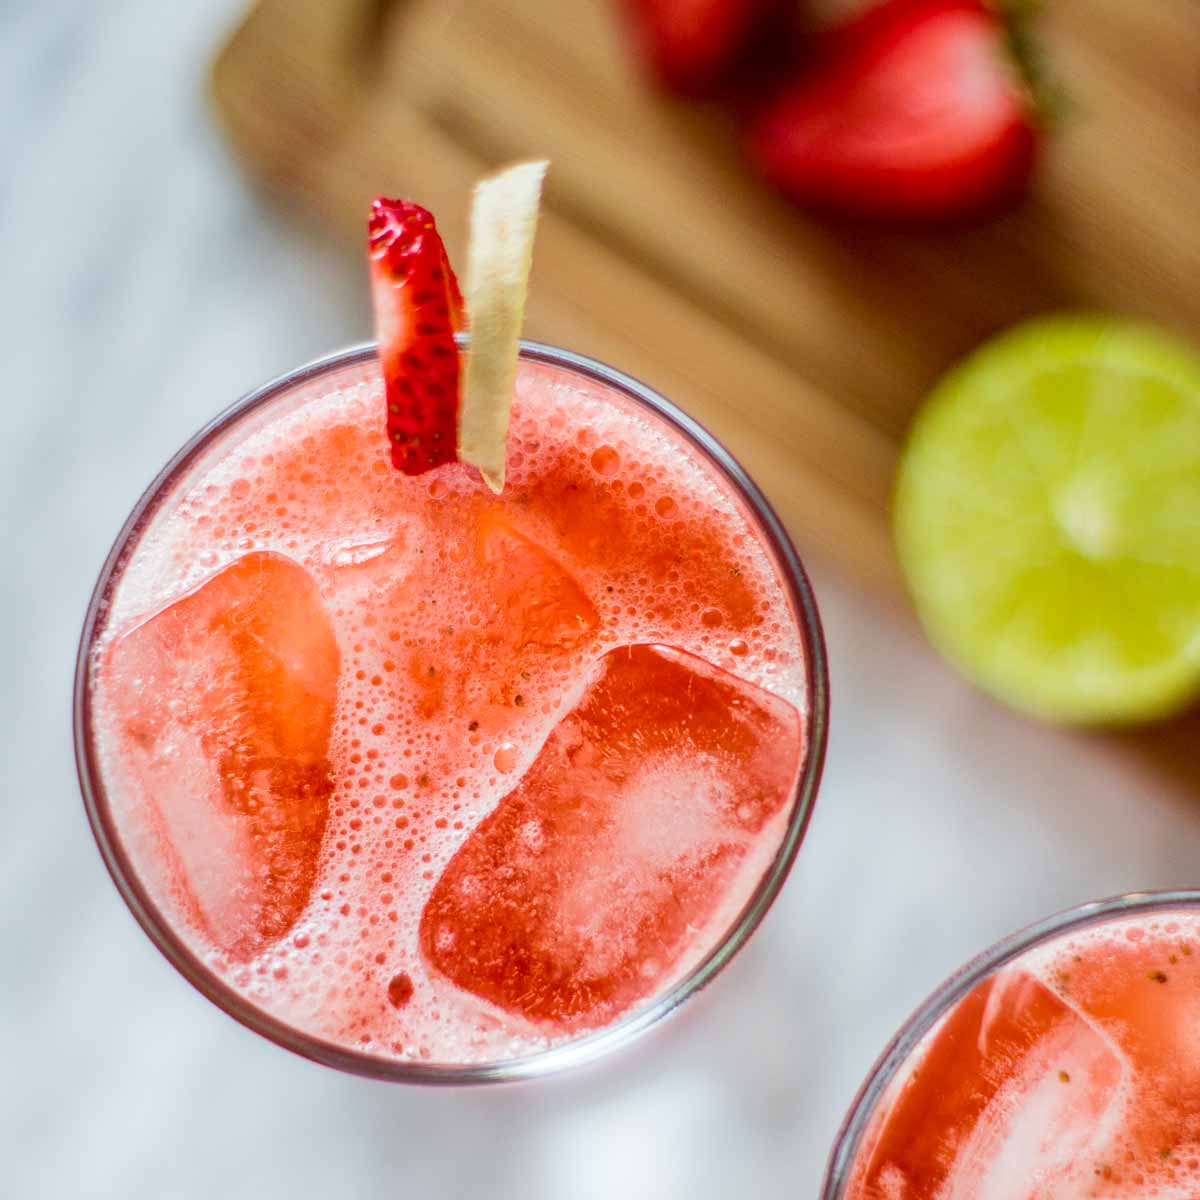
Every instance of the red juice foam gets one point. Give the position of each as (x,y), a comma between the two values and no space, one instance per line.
(1074,1072)
(436,774)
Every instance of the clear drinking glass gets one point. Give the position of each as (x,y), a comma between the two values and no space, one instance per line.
(854,1138)
(284,394)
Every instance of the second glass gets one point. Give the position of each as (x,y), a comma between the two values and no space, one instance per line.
(1062,1062)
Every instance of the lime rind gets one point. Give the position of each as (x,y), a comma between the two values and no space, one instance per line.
(1047,519)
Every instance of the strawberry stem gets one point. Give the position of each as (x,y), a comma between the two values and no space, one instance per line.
(1019,18)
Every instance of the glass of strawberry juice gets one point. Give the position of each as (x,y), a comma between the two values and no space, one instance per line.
(1064,1061)
(430,784)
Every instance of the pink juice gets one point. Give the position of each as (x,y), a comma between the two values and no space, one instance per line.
(1072,1072)
(437,775)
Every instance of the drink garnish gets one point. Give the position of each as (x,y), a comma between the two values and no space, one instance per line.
(433,415)
(503,222)
(418,310)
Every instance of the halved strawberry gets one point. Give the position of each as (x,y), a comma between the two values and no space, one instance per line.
(695,45)
(418,309)
(920,117)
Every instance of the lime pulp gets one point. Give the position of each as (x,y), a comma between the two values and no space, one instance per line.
(1047,519)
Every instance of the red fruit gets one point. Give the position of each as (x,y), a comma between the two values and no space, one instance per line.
(418,308)
(694,45)
(837,26)
(919,117)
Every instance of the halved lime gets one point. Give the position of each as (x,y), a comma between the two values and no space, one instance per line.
(1047,517)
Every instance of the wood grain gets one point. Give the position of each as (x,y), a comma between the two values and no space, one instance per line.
(803,345)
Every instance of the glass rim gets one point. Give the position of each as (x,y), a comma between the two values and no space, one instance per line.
(842,1157)
(577,1050)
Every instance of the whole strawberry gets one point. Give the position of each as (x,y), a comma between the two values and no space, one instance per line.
(915,112)
(695,47)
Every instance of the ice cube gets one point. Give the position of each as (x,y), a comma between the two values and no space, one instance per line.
(540,603)
(576,896)
(225,703)
(359,551)
(366,566)
(527,612)
(1142,988)
(1014,1086)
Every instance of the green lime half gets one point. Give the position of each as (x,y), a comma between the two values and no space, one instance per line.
(1047,517)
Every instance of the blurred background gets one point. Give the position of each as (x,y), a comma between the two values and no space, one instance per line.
(181,218)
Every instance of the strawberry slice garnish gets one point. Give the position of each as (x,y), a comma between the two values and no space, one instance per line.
(418,309)
(694,46)
(919,115)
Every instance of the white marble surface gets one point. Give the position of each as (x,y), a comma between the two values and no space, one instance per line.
(144,287)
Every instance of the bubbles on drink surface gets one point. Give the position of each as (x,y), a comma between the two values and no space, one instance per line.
(1075,1072)
(466,627)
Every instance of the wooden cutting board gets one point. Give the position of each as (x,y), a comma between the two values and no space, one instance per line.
(805,346)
